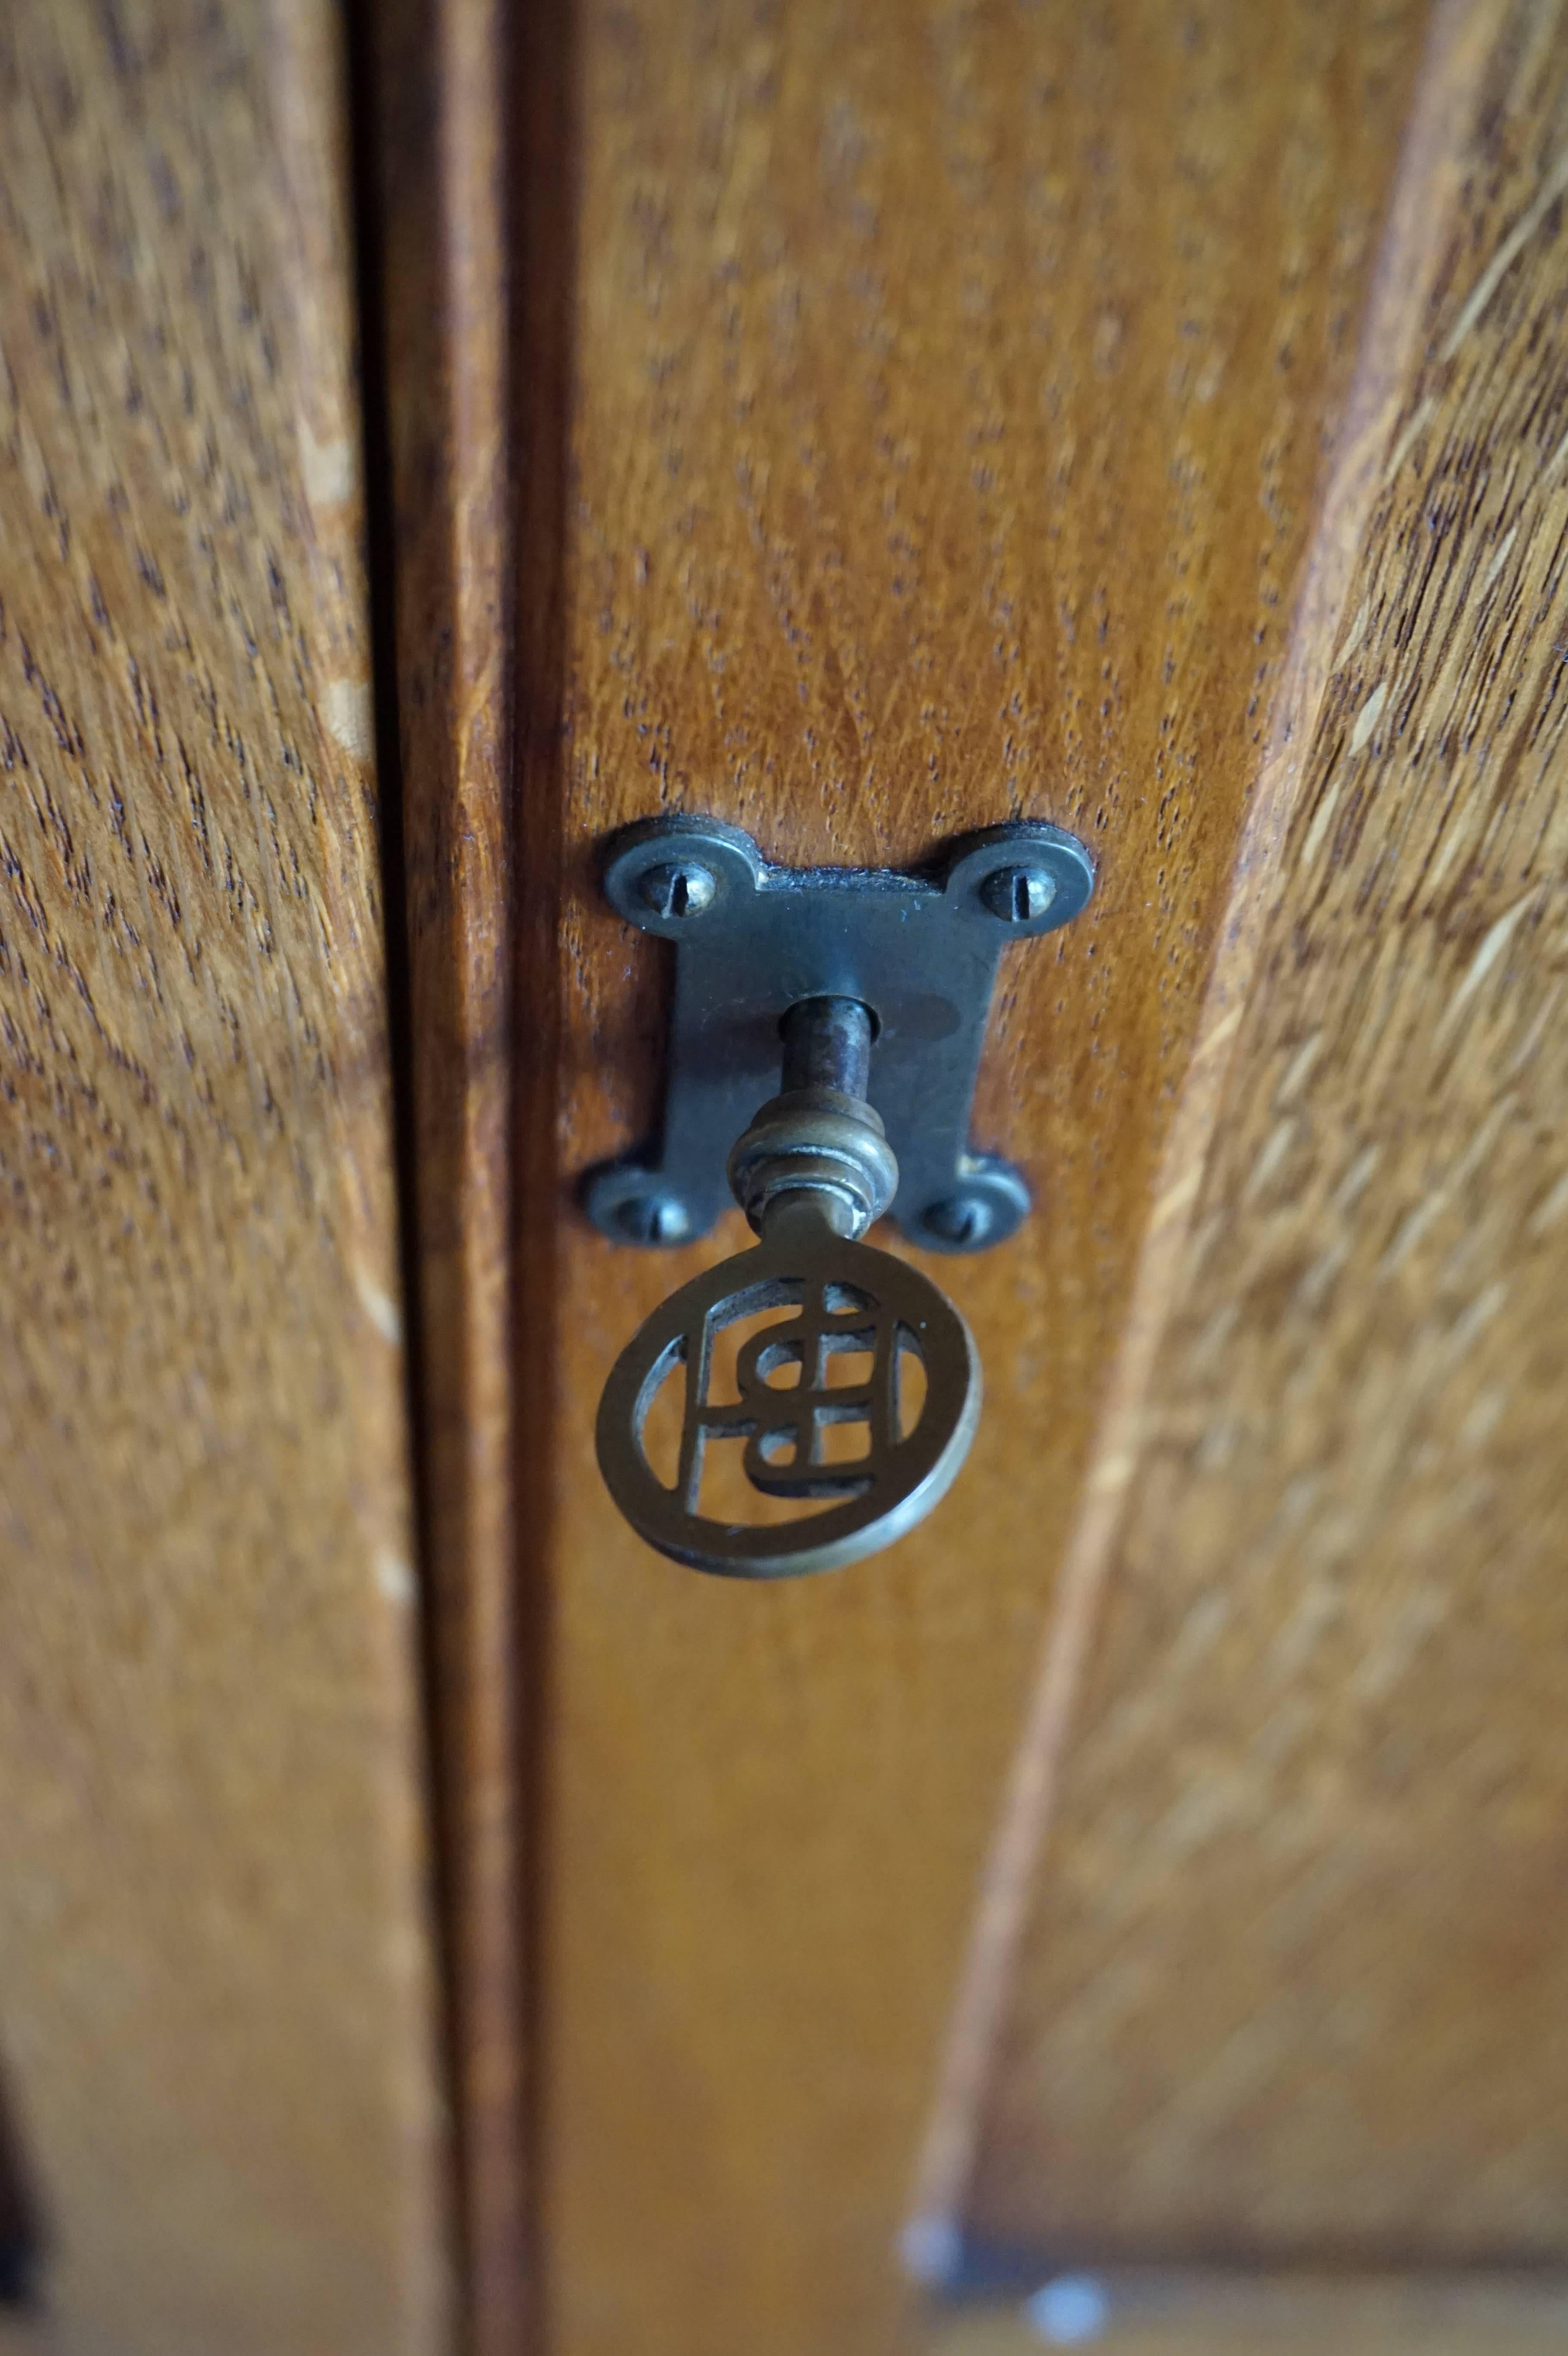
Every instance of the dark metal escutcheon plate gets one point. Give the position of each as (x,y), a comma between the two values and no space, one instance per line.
(919,949)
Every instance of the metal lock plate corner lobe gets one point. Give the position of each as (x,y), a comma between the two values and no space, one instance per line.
(920,949)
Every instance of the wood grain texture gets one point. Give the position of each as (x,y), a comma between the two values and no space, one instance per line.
(214,1988)
(1293,1983)
(441,274)
(950,397)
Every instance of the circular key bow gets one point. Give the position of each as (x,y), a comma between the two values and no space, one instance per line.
(812,1172)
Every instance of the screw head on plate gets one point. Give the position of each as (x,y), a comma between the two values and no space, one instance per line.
(1019,896)
(678,888)
(988,1203)
(963,1221)
(656,1218)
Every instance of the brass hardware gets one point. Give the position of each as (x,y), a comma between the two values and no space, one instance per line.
(811,1172)
(902,967)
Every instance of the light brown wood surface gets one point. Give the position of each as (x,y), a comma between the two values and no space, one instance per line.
(951,394)
(215,1995)
(1294,1971)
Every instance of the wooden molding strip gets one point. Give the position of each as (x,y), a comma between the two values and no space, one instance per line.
(447,146)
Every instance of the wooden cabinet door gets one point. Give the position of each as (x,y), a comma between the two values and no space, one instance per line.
(862,425)
(1131,1901)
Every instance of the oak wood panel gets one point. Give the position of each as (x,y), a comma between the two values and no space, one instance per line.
(214,1986)
(950,393)
(1294,1976)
